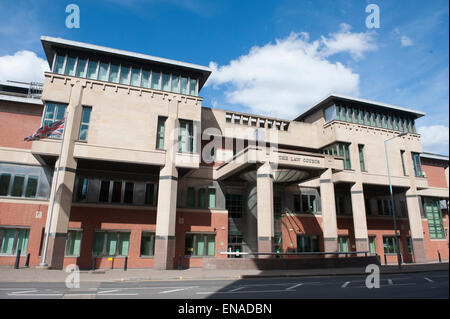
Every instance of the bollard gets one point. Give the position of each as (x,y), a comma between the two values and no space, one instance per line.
(125,265)
(16,264)
(27,262)
(385,260)
(439,256)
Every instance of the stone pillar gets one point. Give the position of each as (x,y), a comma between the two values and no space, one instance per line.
(264,185)
(64,185)
(359,217)
(167,195)
(166,218)
(415,226)
(329,222)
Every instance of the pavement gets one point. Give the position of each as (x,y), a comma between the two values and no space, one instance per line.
(8,274)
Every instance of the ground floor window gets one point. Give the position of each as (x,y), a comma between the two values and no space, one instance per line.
(278,241)
(12,240)
(390,244)
(409,242)
(307,243)
(372,245)
(200,244)
(111,243)
(235,239)
(343,246)
(235,205)
(434,217)
(73,243)
(147,243)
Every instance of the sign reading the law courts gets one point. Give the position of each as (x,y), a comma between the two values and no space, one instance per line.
(301,160)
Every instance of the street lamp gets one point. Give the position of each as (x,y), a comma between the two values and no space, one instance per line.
(397,237)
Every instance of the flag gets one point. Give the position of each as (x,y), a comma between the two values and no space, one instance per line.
(53,129)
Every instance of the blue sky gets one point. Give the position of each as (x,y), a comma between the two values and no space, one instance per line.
(271,57)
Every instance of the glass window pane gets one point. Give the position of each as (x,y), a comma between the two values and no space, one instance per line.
(189,245)
(192,86)
(211,240)
(116,192)
(128,196)
(74,244)
(103,72)
(82,189)
(165,82)
(135,73)
(49,113)
(184,85)
(201,198)
(92,70)
(191,197)
(114,73)
(175,83)
(99,239)
(124,244)
(22,241)
(60,112)
(70,66)
(111,244)
(212,198)
(124,75)
(155,80)
(8,241)
(200,245)
(104,191)
(149,194)
(145,79)
(31,188)
(147,244)
(17,187)
(4,183)
(59,64)
(81,68)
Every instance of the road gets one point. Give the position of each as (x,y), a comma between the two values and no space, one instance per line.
(410,285)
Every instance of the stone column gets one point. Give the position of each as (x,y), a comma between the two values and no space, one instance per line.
(64,185)
(264,185)
(329,222)
(359,217)
(415,226)
(167,195)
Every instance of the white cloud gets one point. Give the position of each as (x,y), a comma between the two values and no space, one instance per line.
(23,66)
(406,41)
(435,138)
(285,78)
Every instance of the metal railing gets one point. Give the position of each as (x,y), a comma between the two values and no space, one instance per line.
(346,254)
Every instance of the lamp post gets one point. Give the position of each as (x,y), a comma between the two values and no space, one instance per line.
(397,237)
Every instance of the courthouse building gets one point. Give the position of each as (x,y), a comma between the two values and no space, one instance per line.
(145,171)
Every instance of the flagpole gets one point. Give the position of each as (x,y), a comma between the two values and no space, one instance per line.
(52,198)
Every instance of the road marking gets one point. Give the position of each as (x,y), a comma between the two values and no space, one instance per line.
(38,295)
(345,284)
(173,290)
(131,294)
(107,291)
(428,279)
(294,286)
(23,292)
(390,282)
(240,292)
(236,289)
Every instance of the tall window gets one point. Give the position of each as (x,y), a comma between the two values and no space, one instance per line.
(186,136)
(192,86)
(307,243)
(150,194)
(85,119)
(92,70)
(165,82)
(147,243)
(343,244)
(390,244)
(211,198)
(73,243)
(82,189)
(145,79)
(155,80)
(103,71)
(12,240)
(372,245)
(53,112)
(114,73)
(235,205)
(175,83)
(5,179)
(81,68)
(200,245)
(59,64)
(416,164)
(135,74)
(124,74)
(184,85)
(160,130)
(111,243)
(70,66)
(433,214)
(361,158)
(402,156)
(190,197)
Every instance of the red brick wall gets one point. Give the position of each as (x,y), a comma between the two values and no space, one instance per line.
(435,175)
(22,120)
(14,214)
